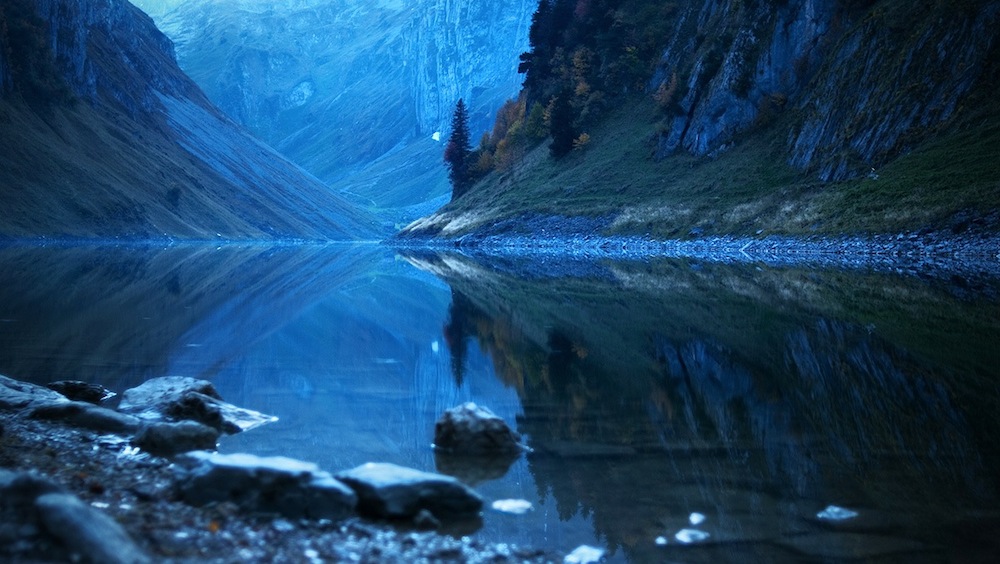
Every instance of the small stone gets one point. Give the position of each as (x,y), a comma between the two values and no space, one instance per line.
(834,513)
(512,506)
(77,390)
(691,536)
(425,520)
(470,429)
(168,439)
(584,555)
(87,416)
(87,531)
(388,490)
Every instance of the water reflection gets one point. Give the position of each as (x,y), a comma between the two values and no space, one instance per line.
(650,393)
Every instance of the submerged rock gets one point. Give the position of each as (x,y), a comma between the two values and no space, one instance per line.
(86,531)
(17,395)
(87,416)
(397,492)
(470,429)
(292,488)
(178,398)
(77,390)
(168,439)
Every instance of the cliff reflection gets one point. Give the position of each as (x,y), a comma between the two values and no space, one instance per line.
(754,397)
(120,315)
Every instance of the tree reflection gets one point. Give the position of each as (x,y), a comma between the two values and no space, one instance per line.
(721,396)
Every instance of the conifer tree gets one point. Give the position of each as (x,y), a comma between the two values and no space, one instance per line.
(561,128)
(457,151)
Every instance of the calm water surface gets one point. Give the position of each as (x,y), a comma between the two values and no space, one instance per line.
(724,406)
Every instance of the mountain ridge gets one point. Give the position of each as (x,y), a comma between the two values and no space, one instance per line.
(106,138)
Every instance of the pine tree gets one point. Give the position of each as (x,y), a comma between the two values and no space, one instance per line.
(561,128)
(457,151)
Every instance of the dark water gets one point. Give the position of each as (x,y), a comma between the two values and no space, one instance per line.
(753,397)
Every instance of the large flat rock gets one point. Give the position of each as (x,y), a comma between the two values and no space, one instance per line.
(277,484)
(388,490)
(180,398)
(16,395)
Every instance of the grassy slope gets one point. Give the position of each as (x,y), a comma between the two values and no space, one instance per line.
(748,188)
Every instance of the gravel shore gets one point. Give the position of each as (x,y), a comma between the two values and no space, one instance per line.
(137,491)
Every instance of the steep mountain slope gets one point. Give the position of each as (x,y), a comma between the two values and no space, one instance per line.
(338,85)
(104,136)
(802,116)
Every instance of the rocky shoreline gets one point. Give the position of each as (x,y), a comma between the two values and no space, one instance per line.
(75,484)
(967,248)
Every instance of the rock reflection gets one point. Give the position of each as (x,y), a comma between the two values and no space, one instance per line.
(665,388)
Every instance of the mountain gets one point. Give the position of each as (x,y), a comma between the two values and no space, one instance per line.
(104,136)
(358,92)
(727,116)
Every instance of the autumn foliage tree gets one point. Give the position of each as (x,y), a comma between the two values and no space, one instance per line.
(584,57)
(457,152)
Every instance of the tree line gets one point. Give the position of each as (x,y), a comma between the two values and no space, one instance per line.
(584,56)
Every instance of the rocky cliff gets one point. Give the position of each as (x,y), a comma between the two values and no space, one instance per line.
(337,85)
(105,136)
(870,80)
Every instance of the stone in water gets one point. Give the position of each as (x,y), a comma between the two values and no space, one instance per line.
(834,513)
(691,536)
(584,555)
(513,506)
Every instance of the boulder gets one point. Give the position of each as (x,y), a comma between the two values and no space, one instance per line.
(291,488)
(19,490)
(86,531)
(16,395)
(178,398)
(470,429)
(87,416)
(168,439)
(397,492)
(76,390)
(205,409)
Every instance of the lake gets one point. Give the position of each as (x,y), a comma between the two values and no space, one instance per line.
(677,409)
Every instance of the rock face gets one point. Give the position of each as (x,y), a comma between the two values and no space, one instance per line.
(179,398)
(396,492)
(470,429)
(336,86)
(289,487)
(107,137)
(735,65)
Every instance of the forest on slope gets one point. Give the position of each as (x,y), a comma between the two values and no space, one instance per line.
(701,117)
